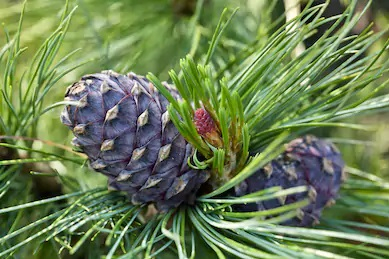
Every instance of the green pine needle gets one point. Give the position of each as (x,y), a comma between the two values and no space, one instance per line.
(257,90)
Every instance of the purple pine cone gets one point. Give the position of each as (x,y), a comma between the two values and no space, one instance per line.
(307,161)
(122,125)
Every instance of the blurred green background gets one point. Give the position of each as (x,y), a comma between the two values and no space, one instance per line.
(151,36)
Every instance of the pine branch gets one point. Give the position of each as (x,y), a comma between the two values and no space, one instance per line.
(259,96)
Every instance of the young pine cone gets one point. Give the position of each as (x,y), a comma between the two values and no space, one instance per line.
(307,161)
(122,125)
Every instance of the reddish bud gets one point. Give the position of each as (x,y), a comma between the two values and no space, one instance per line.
(207,128)
(204,122)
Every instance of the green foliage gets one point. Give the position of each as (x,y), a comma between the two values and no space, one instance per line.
(225,108)
(250,79)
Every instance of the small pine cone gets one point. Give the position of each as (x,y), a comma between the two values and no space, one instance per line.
(206,127)
(307,161)
(122,125)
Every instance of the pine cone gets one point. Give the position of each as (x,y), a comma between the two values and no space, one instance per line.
(307,161)
(122,125)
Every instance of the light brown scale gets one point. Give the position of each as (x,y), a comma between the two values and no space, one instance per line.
(268,169)
(328,166)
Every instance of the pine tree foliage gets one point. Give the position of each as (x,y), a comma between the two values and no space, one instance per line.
(252,78)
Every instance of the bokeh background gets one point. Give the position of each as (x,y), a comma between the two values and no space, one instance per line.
(151,36)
